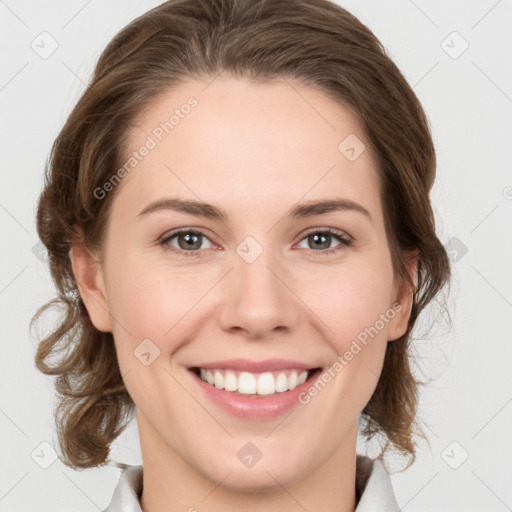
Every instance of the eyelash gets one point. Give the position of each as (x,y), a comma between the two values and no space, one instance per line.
(345,241)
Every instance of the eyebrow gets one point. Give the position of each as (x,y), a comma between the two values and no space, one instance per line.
(209,211)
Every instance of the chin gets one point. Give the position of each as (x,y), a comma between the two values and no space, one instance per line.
(267,475)
(258,481)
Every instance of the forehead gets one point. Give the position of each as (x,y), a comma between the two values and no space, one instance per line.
(244,144)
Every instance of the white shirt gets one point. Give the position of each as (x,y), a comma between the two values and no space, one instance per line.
(374,492)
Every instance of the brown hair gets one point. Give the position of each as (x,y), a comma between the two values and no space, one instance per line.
(315,42)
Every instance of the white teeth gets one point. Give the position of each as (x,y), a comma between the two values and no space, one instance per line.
(246,383)
(218,380)
(281,383)
(266,384)
(292,380)
(230,381)
(302,378)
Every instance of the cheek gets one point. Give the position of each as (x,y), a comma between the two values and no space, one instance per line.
(150,302)
(353,307)
(352,300)
(150,306)
(159,302)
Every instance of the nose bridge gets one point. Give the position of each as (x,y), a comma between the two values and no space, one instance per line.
(258,300)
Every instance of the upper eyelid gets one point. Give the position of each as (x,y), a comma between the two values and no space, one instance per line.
(338,232)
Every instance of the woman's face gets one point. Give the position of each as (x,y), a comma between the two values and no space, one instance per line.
(255,283)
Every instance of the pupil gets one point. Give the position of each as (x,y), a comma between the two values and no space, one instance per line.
(189,242)
(325,237)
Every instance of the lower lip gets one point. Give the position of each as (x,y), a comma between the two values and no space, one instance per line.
(256,407)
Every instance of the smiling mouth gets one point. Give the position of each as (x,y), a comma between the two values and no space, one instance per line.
(255,384)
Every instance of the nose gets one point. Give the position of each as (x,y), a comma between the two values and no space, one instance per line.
(258,298)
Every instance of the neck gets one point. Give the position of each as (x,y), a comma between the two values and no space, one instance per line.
(172,484)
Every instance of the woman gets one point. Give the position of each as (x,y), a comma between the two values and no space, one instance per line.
(238,223)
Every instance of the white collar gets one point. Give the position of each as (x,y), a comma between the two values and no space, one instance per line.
(374,491)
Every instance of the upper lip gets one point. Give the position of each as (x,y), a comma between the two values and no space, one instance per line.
(255,366)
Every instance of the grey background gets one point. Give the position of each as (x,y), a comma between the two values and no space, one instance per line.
(466,410)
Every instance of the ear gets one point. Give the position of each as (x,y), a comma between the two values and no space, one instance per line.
(88,272)
(404,296)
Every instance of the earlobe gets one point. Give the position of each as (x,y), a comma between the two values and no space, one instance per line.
(405,297)
(88,272)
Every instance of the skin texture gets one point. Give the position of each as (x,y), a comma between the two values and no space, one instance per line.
(254,150)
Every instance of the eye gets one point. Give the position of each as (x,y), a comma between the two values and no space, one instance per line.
(323,238)
(188,240)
